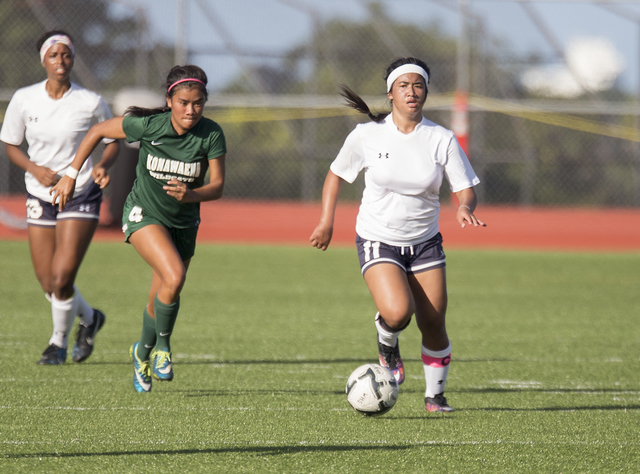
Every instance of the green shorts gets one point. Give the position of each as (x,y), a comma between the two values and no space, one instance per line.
(133,219)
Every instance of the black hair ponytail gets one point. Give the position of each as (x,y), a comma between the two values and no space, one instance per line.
(356,102)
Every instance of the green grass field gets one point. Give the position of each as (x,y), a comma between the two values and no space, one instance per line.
(544,375)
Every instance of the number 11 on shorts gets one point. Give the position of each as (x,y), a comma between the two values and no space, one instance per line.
(368,246)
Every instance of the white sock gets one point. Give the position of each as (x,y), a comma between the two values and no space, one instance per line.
(48,297)
(386,337)
(63,313)
(436,369)
(85,312)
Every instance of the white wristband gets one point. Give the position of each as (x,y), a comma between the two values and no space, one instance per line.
(72,173)
(467,207)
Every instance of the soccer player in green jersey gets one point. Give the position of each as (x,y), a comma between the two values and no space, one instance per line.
(162,212)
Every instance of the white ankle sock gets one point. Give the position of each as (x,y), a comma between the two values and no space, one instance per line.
(63,313)
(85,312)
(386,337)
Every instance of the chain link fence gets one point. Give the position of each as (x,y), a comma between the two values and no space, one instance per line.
(279,105)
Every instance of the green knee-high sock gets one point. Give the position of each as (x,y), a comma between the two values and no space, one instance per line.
(166,315)
(148,337)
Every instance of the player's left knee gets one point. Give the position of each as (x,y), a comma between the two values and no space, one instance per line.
(174,283)
(62,284)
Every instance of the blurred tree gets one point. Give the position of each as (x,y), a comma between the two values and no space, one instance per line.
(358,54)
(108,43)
(338,52)
(111,53)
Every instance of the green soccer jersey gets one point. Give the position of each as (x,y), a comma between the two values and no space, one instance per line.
(165,155)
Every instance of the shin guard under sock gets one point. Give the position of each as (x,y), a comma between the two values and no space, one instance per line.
(148,337)
(386,335)
(63,313)
(166,315)
(436,369)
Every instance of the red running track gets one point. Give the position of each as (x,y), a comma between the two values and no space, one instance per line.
(287,223)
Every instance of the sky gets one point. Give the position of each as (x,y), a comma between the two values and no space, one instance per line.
(274,26)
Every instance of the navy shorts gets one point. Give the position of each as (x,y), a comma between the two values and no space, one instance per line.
(411,258)
(85,206)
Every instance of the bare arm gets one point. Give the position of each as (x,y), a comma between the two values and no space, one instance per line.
(468,200)
(111,128)
(109,155)
(45,176)
(321,236)
(208,192)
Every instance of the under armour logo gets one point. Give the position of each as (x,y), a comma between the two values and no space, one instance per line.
(386,155)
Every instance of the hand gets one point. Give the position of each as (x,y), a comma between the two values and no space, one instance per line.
(321,237)
(45,176)
(63,191)
(179,190)
(464,216)
(100,176)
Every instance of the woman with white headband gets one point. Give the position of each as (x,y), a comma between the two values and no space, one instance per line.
(162,213)
(405,157)
(53,116)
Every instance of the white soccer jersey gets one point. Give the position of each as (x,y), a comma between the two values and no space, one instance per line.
(53,129)
(403,174)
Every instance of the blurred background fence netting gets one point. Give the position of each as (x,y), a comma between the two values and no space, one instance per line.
(542,125)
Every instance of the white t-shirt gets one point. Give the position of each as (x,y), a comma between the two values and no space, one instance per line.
(403,174)
(53,129)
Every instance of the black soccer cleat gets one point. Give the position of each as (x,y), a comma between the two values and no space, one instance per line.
(437,404)
(53,355)
(85,338)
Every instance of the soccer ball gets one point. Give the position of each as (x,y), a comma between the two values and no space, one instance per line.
(372,390)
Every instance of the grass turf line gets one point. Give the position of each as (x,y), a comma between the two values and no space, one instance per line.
(544,372)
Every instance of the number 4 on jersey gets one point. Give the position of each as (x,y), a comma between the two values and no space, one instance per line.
(136,214)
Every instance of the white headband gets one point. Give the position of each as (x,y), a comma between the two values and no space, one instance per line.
(55,39)
(405,69)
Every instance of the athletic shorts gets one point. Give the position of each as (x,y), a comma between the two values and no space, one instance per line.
(412,258)
(134,218)
(85,206)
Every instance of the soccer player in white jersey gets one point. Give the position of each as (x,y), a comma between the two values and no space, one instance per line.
(405,157)
(53,116)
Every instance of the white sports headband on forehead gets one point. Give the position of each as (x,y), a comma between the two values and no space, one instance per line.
(405,69)
(55,39)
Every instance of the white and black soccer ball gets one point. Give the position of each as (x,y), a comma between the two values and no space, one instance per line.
(372,390)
